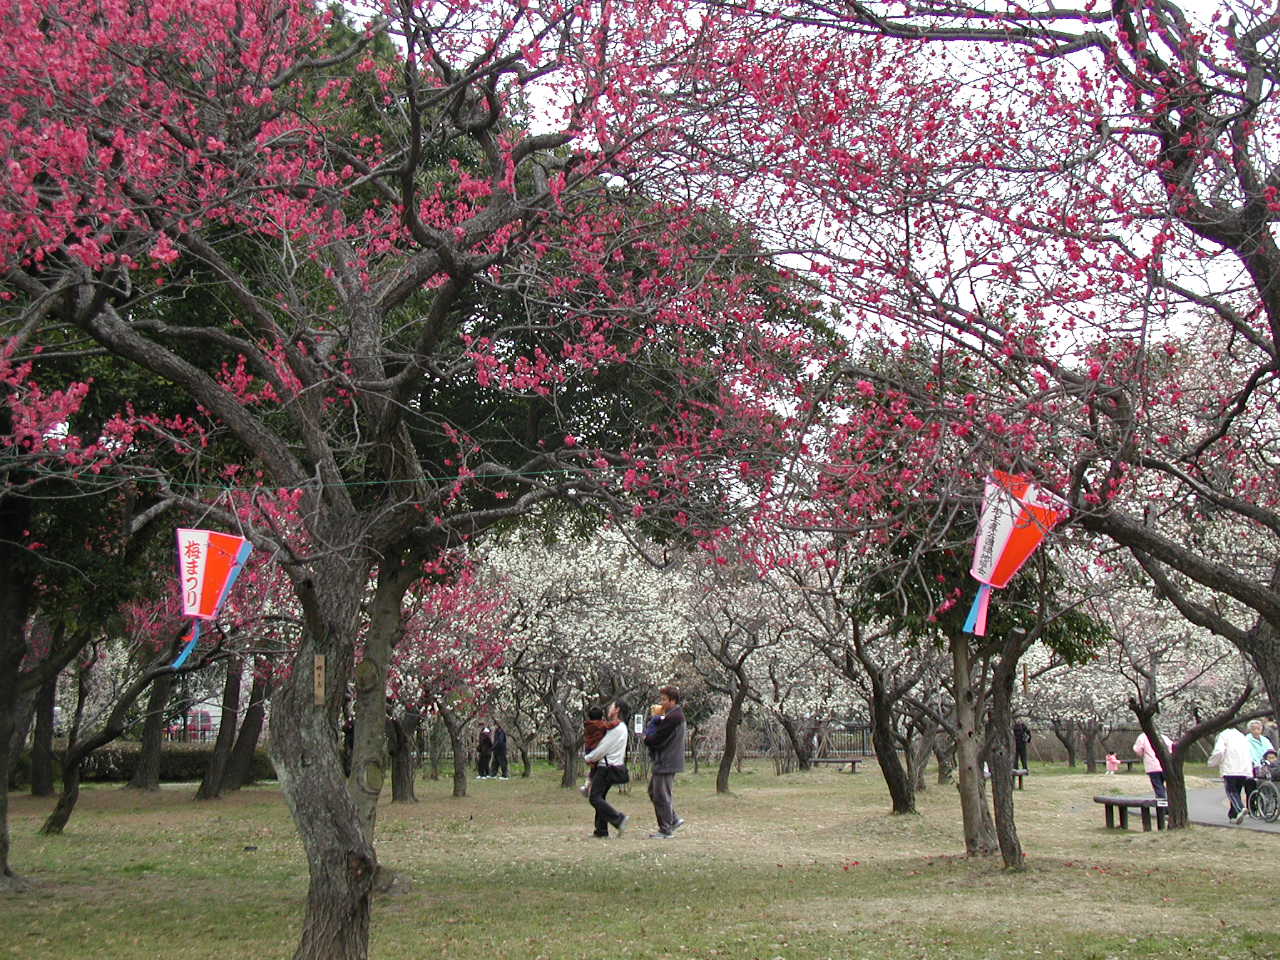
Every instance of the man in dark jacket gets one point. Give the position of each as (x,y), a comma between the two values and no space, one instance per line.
(664,735)
(484,750)
(1021,737)
(498,765)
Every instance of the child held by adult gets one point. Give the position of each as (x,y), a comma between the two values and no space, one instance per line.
(593,731)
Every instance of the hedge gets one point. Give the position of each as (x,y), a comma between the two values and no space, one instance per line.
(179,763)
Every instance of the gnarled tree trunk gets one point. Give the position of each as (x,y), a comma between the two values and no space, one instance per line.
(146,775)
(215,773)
(732,721)
(979,830)
(42,758)
(456,726)
(901,789)
(304,748)
(1000,748)
(241,764)
(79,750)
(402,733)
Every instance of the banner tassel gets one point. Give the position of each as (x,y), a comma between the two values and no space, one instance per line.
(191,645)
(976,622)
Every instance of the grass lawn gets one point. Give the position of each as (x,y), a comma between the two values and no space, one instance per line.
(801,866)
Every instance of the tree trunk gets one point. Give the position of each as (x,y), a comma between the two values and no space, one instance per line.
(731,724)
(369,757)
(304,748)
(146,775)
(215,773)
(979,830)
(526,763)
(1175,781)
(1000,753)
(42,758)
(401,735)
(944,752)
(571,743)
(457,741)
(434,744)
(241,765)
(1091,731)
(800,744)
(922,747)
(1265,654)
(12,649)
(901,791)
(78,750)
(15,595)
(1065,731)
(23,720)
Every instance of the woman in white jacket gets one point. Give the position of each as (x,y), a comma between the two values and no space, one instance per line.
(1234,760)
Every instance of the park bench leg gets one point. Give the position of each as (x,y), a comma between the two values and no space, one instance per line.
(1111,816)
(1124,818)
(1161,813)
(1146,819)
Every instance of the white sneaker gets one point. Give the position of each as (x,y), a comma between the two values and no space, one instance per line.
(1239,817)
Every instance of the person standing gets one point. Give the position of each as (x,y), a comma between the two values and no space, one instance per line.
(484,750)
(593,731)
(664,735)
(498,766)
(1151,763)
(1258,744)
(1234,760)
(1021,737)
(610,758)
(1271,732)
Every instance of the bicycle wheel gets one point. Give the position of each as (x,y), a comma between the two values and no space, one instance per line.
(1268,796)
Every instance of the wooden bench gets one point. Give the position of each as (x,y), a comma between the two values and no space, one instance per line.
(1018,774)
(852,761)
(1124,804)
(1128,765)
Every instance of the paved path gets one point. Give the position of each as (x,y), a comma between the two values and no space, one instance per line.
(1208,808)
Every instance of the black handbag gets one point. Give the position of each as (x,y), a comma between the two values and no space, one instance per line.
(619,774)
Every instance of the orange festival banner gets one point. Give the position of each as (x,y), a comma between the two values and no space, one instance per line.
(1016,515)
(208,564)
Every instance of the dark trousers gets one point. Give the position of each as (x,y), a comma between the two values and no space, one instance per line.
(1157,783)
(483,765)
(1020,755)
(499,763)
(606,815)
(663,806)
(1234,787)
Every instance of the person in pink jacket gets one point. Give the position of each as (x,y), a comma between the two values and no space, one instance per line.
(1151,763)
(1234,760)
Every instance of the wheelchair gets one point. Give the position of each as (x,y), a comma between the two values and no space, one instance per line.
(1264,800)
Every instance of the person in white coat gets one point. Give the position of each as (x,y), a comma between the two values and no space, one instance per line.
(1234,760)
(610,758)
